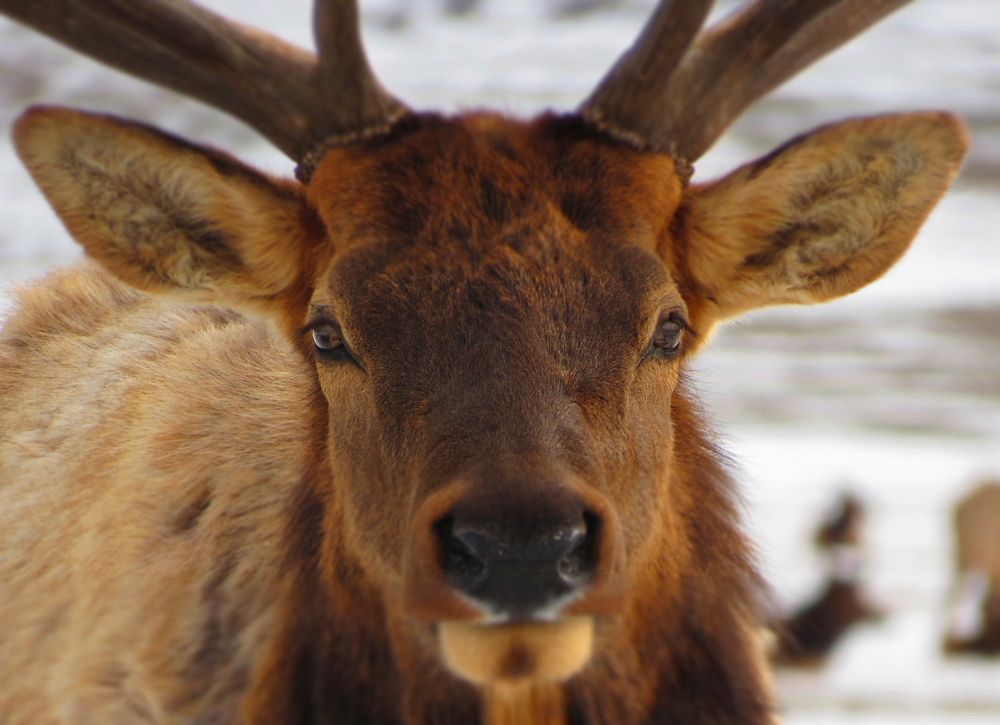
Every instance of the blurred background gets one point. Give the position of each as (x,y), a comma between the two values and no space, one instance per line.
(893,393)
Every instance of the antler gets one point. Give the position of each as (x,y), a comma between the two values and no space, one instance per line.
(677,93)
(674,90)
(298,102)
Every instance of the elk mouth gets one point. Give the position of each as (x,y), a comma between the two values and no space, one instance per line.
(512,587)
(533,651)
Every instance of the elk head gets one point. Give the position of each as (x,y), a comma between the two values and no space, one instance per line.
(499,313)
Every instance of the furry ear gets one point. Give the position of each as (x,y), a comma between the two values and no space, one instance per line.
(167,216)
(823,215)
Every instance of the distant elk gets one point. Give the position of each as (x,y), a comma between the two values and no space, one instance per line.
(809,634)
(976,628)
(412,438)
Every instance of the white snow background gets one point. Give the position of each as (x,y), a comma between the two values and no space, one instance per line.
(893,392)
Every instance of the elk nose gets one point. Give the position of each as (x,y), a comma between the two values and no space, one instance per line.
(518,574)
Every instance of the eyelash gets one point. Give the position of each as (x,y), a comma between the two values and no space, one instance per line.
(340,353)
(675,351)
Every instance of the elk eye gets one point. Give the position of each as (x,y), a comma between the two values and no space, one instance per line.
(668,336)
(329,342)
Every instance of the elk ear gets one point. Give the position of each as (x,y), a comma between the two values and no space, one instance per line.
(164,215)
(823,215)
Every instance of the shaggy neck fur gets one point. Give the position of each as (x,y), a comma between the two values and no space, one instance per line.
(685,652)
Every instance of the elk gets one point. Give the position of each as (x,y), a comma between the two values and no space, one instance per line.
(976,625)
(411,438)
(807,636)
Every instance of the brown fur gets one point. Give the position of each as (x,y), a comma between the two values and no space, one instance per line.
(809,635)
(205,522)
(806,637)
(977,548)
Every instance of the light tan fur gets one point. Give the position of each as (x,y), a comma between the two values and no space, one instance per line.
(974,616)
(167,217)
(159,448)
(977,532)
(826,214)
(540,652)
(517,704)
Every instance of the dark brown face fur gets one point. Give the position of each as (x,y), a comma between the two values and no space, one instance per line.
(501,312)
(499,285)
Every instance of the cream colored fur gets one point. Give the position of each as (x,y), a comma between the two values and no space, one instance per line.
(825,215)
(977,532)
(144,449)
(165,216)
(544,652)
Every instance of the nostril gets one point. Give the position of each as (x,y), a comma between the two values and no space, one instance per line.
(577,565)
(478,544)
(516,567)
(573,565)
(463,555)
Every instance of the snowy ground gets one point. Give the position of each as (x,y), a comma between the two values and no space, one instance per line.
(894,393)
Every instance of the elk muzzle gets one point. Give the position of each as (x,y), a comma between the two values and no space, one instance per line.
(518,573)
(512,575)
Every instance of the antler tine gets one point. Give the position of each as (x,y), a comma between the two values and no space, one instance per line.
(273,86)
(724,70)
(182,46)
(354,102)
(629,102)
(753,51)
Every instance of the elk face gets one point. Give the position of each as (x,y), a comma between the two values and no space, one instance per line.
(499,315)
(505,342)
(508,336)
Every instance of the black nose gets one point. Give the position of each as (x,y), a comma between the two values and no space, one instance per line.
(517,572)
